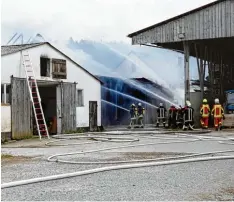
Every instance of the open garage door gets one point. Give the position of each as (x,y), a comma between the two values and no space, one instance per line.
(68,95)
(21,109)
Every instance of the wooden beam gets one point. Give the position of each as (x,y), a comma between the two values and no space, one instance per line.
(186,71)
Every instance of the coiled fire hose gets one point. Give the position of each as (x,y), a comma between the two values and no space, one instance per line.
(137,163)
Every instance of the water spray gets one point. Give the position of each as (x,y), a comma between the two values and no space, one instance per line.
(110,103)
(131,97)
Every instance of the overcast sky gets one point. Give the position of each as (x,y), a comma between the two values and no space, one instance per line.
(88,19)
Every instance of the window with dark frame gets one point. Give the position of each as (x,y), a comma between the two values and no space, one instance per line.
(5,93)
(59,69)
(45,66)
(80,98)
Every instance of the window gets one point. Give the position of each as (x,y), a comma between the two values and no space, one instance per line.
(45,66)
(80,98)
(5,93)
(59,69)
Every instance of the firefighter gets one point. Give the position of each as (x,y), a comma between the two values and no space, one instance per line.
(179,117)
(218,114)
(161,111)
(188,113)
(172,113)
(205,112)
(133,115)
(140,115)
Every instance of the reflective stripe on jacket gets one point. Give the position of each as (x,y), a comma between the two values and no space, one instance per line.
(217,111)
(205,110)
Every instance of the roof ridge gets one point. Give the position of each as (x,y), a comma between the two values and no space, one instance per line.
(33,45)
(24,44)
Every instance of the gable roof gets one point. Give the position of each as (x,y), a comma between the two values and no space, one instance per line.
(175,18)
(6,50)
(10,49)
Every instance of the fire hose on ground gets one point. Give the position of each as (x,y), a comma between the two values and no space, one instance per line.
(190,158)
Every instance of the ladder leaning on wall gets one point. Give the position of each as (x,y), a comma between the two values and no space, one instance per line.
(34,96)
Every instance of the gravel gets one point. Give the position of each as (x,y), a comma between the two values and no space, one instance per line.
(193,181)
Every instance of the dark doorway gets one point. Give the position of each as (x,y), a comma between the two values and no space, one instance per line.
(45,66)
(49,107)
(93,115)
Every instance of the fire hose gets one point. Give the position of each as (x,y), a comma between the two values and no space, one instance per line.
(132,163)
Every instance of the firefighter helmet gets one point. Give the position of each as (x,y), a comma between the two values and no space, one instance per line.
(216,101)
(139,104)
(204,100)
(133,105)
(161,104)
(188,103)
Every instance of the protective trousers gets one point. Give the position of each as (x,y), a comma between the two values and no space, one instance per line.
(217,122)
(205,122)
(172,122)
(140,120)
(133,121)
(188,119)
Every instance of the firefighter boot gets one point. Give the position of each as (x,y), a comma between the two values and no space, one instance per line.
(157,124)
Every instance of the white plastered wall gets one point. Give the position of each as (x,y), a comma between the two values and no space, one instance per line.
(91,86)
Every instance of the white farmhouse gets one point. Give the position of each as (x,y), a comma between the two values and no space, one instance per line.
(70,95)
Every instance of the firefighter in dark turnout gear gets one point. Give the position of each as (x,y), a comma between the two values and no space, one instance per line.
(179,117)
(172,112)
(140,115)
(161,111)
(133,115)
(188,113)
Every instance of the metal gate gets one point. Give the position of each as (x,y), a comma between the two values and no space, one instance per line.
(93,115)
(68,95)
(21,109)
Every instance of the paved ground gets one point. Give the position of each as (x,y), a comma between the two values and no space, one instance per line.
(213,180)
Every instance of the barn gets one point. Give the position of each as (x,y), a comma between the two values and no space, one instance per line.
(70,95)
(207,34)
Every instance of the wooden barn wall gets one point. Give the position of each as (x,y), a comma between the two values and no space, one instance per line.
(213,22)
(21,109)
(68,91)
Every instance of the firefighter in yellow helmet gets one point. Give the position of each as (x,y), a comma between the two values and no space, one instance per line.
(205,113)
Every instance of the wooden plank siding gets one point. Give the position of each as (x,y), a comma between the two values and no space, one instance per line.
(216,21)
(21,109)
(68,91)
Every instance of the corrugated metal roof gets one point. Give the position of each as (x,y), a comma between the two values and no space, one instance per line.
(9,49)
(6,50)
(175,18)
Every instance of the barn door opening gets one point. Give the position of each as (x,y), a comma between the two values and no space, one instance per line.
(21,110)
(68,103)
(93,115)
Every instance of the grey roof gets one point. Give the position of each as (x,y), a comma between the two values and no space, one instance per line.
(6,50)
(175,18)
(9,49)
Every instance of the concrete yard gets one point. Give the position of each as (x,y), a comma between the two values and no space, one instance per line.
(208,180)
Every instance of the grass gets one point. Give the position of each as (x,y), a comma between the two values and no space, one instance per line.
(226,194)
(6,156)
(229,190)
(7,159)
